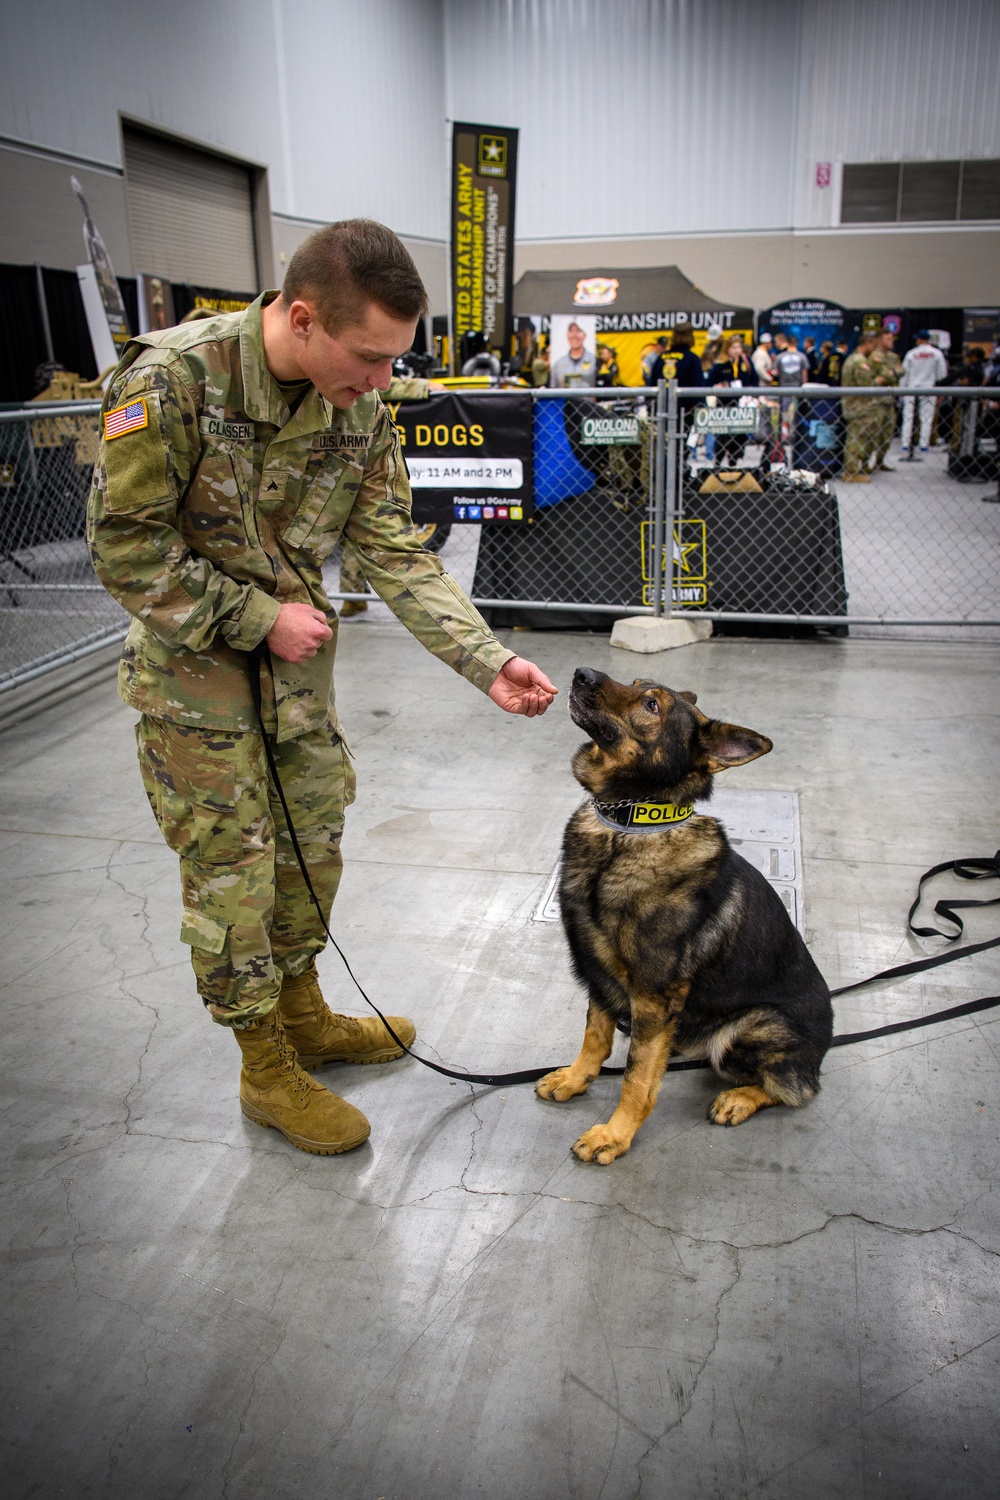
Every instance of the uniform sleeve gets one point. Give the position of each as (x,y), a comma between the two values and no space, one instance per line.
(411,581)
(409,388)
(132,523)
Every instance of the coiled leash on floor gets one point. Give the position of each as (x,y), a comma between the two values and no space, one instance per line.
(966,869)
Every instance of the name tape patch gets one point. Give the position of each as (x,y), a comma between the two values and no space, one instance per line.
(241,432)
(128,418)
(661,812)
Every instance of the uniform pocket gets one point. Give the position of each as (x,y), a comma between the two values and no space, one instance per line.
(191,780)
(206,933)
(217,519)
(330,494)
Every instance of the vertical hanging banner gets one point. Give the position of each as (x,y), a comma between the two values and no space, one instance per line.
(483,178)
(107,282)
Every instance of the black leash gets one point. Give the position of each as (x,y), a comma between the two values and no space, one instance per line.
(967,869)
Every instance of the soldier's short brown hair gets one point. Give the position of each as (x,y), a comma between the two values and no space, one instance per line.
(347,265)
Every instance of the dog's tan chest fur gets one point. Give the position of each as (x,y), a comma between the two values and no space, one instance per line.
(626,881)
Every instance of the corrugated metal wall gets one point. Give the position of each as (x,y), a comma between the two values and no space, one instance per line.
(639,117)
(895,80)
(656,117)
(352,123)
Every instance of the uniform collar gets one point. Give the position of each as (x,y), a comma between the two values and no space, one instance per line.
(262,400)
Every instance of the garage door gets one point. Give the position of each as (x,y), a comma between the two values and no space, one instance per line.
(190,214)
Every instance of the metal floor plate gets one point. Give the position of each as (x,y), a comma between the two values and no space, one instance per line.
(762,826)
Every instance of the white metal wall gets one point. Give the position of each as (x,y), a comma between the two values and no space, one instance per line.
(639,117)
(341,100)
(644,115)
(658,117)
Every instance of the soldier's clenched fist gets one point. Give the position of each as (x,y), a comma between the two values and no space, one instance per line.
(298,632)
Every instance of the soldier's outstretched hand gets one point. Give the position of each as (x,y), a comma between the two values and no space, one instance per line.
(522,688)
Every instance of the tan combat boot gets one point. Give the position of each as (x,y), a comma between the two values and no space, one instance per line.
(274,1091)
(319,1036)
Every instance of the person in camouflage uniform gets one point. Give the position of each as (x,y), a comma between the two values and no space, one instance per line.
(352,578)
(861,413)
(237,452)
(887,368)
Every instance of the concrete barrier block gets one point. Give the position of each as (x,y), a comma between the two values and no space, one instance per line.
(646,633)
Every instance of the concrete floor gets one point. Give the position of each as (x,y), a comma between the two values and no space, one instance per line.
(804,1306)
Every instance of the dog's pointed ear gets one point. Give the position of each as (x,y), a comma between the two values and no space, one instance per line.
(688,697)
(725,745)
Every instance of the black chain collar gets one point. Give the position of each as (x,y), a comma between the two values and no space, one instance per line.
(641,817)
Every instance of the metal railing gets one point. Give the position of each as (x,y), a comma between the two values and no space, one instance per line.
(809,515)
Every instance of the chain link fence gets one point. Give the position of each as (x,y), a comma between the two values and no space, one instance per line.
(837,507)
(856,510)
(52,608)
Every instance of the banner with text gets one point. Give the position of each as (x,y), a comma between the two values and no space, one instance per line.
(483,178)
(468,456)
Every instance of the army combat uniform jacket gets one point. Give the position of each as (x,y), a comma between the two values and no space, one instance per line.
(858,371)
(212,505)
(886,368)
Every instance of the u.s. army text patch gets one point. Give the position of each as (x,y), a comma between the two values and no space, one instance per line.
(129,418)
(342,442)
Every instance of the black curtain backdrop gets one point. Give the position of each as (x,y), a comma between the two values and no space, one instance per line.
(70,335)
(184,297)
(22,340)
(22,336)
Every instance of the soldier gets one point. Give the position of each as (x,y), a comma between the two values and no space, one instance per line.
(860,413)
(236,454)
(887,368)
(352,578)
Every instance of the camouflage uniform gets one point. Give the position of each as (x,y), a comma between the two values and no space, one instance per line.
(211,509)
(887,368)
(352,578)
(861,413)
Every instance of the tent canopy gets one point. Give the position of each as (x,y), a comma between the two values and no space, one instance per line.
(641,289)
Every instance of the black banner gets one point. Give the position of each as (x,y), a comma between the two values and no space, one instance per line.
(483,177)
(468,455)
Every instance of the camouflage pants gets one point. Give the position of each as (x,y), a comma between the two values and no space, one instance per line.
(862,437)
(352,580)
(248,917)
(886,431)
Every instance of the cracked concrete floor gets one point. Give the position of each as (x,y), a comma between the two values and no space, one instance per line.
(804,1306)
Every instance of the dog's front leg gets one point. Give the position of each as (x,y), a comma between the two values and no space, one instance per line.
(564,1083)
(653,1027)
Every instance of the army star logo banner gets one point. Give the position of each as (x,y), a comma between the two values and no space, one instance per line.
(483,176)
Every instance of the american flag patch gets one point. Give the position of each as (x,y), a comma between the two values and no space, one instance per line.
(124,419)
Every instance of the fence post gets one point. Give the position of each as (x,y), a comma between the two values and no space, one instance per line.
(670,501)
(656,552)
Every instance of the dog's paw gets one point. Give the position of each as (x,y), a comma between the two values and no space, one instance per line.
(560,1085)
(733,1106)
(601,1144)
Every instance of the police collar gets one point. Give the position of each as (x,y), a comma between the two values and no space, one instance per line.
(641,817)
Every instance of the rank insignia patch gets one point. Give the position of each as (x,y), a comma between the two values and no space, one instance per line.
(130,418)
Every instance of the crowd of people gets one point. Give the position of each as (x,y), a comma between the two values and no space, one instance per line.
(729,369)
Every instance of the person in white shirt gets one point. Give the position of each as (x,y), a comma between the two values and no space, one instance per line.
(923,367)
(761,360)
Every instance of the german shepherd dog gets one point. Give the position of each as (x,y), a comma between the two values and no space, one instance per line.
(679,941)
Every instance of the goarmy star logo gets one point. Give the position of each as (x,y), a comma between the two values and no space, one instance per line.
(682,551)
(492,156)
